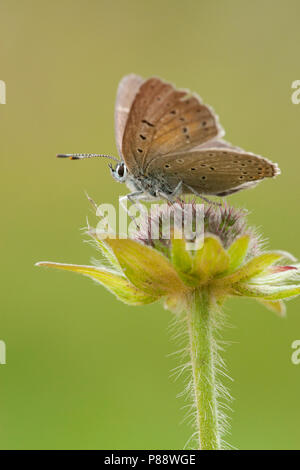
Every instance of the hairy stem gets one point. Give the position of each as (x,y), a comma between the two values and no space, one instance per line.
(200,318)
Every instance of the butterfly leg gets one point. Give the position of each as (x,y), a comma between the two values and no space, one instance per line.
(134,196)
(130,197)
(174,194)
(202,197)
(177,191)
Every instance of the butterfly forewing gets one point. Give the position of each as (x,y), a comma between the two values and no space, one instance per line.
(212,171)
(164,120)
(189,124)
(127,90)
(146,111)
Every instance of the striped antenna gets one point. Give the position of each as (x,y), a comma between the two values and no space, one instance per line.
(81,156)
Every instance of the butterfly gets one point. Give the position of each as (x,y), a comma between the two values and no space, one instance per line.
(170,144)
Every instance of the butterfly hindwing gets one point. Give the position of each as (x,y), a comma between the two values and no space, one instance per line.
(212,171)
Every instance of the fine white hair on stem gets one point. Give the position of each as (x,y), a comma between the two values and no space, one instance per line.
(178,332)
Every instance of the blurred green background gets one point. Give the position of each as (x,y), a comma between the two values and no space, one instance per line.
(84,370)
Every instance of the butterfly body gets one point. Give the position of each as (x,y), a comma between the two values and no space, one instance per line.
(170,143)
(146,187)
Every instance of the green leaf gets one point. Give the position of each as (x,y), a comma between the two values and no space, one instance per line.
(278,275)
(237,252)
(175,303)
(211,259)
(105,250)
(146,268)
(254,267)
(278,306)
(118,285)
(183,262)
(266,292)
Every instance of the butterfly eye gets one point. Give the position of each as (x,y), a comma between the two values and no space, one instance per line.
(121,171)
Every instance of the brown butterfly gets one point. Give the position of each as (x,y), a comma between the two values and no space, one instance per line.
(170,144)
